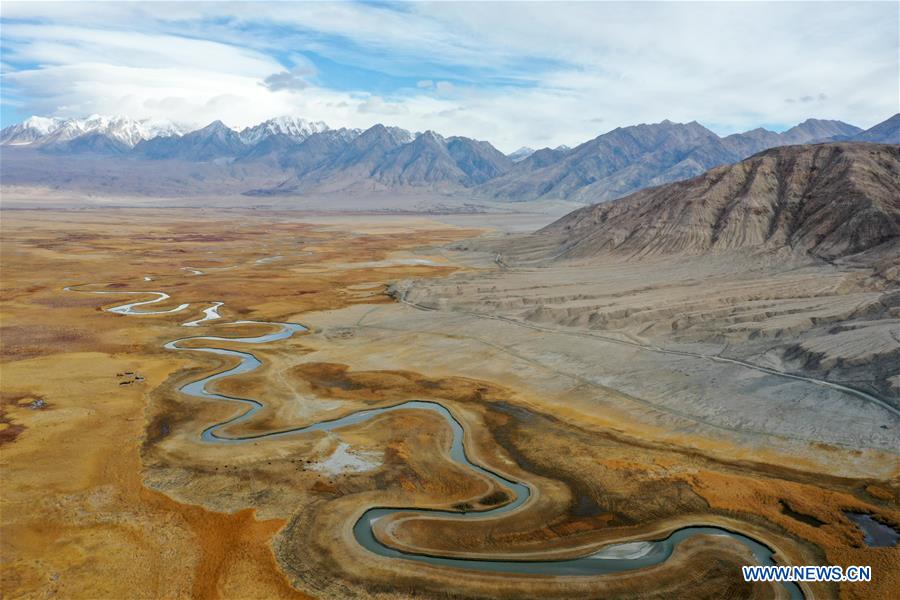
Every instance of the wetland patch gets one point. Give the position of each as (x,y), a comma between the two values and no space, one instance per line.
(875,533)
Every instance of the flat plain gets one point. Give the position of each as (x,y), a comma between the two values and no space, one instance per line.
(110,491)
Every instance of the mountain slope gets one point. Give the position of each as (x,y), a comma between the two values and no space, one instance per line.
(367,149)
(479,160)
(614,164)
(753,141)
(384,158)
(809,131)
(425,160)
(272,149)
(89,143)
(627,159)
(213,141)
(521,154)
(29,131)
(817,130)
(886,132)
(301,156)
(829,200)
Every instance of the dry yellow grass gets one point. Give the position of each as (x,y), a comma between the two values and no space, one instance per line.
(77,519)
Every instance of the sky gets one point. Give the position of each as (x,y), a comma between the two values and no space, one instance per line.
(517,74)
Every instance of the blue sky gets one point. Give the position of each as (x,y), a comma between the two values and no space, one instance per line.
(537,74)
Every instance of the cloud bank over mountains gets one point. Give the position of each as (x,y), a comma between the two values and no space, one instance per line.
(527,75)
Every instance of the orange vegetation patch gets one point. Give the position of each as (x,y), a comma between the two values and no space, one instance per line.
(235,558)
(335,380)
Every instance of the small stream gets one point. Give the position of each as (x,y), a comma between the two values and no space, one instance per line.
(128,309)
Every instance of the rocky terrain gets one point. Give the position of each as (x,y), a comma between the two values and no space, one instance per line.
(886,132)
(828,200)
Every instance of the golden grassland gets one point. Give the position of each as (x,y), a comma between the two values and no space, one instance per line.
(77,519)
(108,494)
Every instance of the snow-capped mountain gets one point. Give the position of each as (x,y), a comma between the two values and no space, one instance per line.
(294,127)
(345,134)
(402,135)
(29,131)
(521,154)
(42,131)
(163,128)
(52,130)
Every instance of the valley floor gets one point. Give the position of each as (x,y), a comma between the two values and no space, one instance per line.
(109,491)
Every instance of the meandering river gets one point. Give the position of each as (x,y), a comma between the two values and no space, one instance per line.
(613,558)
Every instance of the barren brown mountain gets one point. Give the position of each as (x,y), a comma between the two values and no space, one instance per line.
(829,200)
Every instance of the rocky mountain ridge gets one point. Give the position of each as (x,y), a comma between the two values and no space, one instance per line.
(290,156)
(630,158)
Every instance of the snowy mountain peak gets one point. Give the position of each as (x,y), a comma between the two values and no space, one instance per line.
(48,130)
(401,135)
(431,136)
(214,127)
(44,125)
(29,131)
(521,154)
(295,127)
(41,131)
(162,128)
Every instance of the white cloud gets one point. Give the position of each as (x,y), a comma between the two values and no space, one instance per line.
(534,74)
(444,87)
(58,44)
(821,97)
(378,106)
(295,79)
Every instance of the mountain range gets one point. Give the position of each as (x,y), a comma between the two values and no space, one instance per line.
(383,158)
(289,156)
(630,158)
